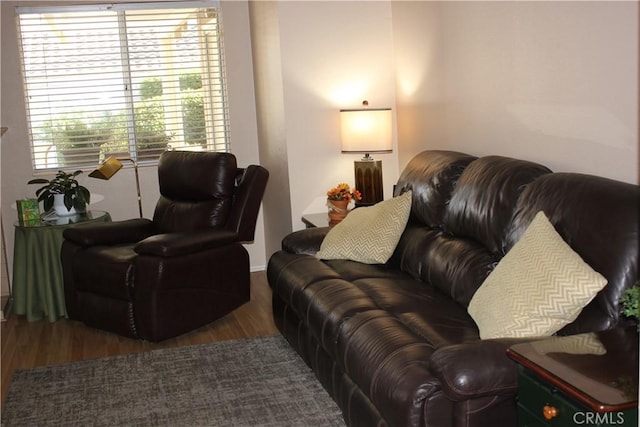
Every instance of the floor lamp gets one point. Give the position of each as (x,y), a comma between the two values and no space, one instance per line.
(367,130)
(113,164)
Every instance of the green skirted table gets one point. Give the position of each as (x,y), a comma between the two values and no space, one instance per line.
(38,287)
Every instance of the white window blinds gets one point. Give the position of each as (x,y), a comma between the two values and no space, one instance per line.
(130,80)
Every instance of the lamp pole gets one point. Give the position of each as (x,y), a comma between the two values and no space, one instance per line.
(135,168)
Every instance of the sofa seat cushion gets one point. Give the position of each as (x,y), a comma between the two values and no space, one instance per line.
(378,324)
(389,363)
(327,294)
(424,310)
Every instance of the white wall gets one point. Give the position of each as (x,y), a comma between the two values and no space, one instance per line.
(553,82)
(265,37)
(312,58)
(242,107)
(334,55)
(119,192)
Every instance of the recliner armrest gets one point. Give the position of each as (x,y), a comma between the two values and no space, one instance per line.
(305,241)
(110,233)
(476,369)
(184,243)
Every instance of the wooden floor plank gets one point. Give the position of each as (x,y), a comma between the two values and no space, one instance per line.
(30,344)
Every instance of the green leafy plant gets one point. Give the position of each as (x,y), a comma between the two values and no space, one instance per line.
(631,302)
(151,87)
(190,81)
(75,131)
(193,118)
(75,195)
(150,125)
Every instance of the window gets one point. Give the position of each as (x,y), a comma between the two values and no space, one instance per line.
(125,79)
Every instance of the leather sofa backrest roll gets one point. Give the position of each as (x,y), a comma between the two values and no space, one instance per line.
(431,176)
(461,213)
(598,218)
(485,198)
(193,193)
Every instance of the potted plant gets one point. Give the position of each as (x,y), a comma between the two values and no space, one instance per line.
(338,199)
(631,302)
(63,193)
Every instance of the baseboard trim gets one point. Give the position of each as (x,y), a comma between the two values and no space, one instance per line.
(256,268)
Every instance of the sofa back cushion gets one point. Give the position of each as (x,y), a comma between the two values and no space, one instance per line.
(456,266)
(462,208)
(598,218)
(431,176)
(485,198)
(196,190)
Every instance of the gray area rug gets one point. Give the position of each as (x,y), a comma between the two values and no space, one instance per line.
(248,382)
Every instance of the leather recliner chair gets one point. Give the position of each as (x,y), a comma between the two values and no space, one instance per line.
(156,279)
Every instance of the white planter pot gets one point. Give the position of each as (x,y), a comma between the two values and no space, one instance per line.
(60,208)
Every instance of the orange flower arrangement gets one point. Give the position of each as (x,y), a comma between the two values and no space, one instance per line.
(343,192)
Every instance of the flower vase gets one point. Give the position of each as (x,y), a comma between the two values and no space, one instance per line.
(338,209)
(60,208)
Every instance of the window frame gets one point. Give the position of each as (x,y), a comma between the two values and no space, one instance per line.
(221,105)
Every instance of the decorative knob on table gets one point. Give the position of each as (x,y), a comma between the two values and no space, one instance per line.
(549,412)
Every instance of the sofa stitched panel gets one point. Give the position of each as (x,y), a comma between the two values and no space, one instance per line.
(432,176)
(456,266)
(485,215)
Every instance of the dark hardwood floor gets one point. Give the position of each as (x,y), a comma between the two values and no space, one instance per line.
(29,344)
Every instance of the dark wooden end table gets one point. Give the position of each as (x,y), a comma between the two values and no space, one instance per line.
(316,220)
(586,379)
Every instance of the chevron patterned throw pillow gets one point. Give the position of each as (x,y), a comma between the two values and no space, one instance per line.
(368,235)
(587,343)
(539,286)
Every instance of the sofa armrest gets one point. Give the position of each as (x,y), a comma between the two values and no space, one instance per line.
(110,233)
(476,369)
(305,241)
(185,243)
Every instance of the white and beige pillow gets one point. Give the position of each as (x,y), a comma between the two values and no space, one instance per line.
(539,286)
(368,234)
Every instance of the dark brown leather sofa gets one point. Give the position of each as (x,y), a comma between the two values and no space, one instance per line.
(393,344)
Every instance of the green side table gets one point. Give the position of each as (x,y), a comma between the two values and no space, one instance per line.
(586,379)
(38,287)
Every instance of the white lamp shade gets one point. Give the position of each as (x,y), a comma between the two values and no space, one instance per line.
(366,130)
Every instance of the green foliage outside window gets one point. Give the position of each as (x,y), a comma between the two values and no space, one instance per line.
(73,131)
(109,133)
(151,88)
(149,127)
(193,118)
(190,81)
(149,124)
